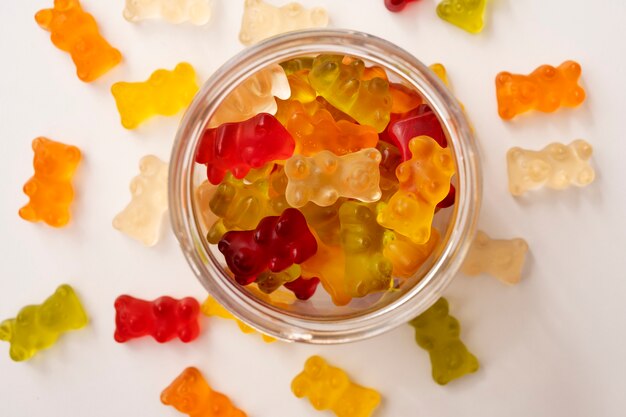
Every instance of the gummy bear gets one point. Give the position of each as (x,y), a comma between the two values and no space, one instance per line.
(367,269)
(269,281)
(191,394)
(545,89)
(242,146)
(75,31)
(466,14)
(407,257)
(556,166)
(198,12)
(142,218)
(397,5)
(421,121)
(164,319)
(256,94)
(330,388)
(262,20)
(50,189)
(403,98)
(439,333)
(38,327)
(240,206)
(503,259)
(301,90)
(211,308)
(324,177)
(329,264)
(297,64)
(277,243)
(319,131)
(303,288)
(164,93)
(324,220)
(369,102)
(424,181)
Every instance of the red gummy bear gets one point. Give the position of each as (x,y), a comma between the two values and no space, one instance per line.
(303,288)
(239,147)
(163,318)
(397,5)
(421,121)
(277,243)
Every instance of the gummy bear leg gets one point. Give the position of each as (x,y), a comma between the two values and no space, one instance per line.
(28,213)
(19,354)
(56,218)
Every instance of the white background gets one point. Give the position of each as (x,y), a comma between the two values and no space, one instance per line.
(552,346)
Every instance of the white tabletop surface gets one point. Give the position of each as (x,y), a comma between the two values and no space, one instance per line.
(552,346)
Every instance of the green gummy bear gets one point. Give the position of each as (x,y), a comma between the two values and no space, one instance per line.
(466,14)
(439,333)
(38,327)
(367,270)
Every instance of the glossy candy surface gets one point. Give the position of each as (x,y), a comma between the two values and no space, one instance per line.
(38,327)
(369,102)
(556,166)
(546,89)
(256,94)
(503,259)
(197,12)
(319,131)
(303,288)
(439,333)
(424,181)
(277,243)
(142,219)
(50,190)
(367,269)
(421,121)
(240,147)
(397,5)
(325,177)
(190,394)
(75,31)
(164,319)
(329,388)
(269,281)
(165,93)
(466,14)
(405,256)
(262,20)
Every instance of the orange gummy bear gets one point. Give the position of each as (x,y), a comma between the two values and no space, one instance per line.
(319,131)
(191,394)
(75,31)
(546,89)
(424,181)
(50,189)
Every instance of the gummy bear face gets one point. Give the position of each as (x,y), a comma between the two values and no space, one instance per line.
(54,160)
(62,311)
(188,393)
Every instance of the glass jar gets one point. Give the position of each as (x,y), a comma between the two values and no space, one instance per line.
(318,320)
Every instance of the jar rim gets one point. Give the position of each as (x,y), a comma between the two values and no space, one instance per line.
(271,320)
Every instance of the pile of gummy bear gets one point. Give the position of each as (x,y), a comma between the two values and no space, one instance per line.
(342,170)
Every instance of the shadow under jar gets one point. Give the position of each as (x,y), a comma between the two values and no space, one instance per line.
(318,320)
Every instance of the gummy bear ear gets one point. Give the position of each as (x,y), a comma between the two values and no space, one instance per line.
(6,330)
(63,5)
(43,18)
(252,3)
(38,142)
(319,16)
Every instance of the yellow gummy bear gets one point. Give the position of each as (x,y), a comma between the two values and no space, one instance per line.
(38,327)
(367,269)
(424,181)
(466,14)
(369,102)
(439,333)
(142,218)
(164,93)
(211,307)
(330,388)
(405,256)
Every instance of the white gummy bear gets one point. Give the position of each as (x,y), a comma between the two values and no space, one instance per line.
(198,12)
(556,166)
(262,20)
(253,96)
(142,218)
